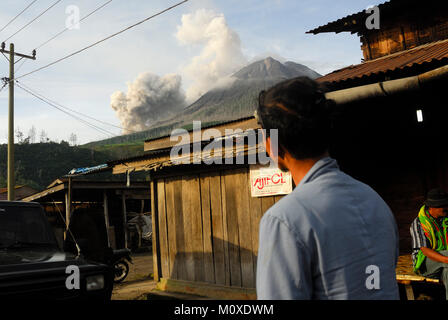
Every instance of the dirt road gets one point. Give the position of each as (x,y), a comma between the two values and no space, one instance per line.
(139,280)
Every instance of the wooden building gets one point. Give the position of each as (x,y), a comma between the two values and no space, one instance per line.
(205,220)
(20,192)
(391,116)
(110,205)
(390,131)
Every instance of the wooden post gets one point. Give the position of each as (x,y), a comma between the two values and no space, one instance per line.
(155,232)
(11,177)
(123,201)
(11,184)
(409,291)
(68,206)
(106,216)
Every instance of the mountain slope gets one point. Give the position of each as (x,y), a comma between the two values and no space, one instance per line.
(236,100)
(240,98)
(271,68)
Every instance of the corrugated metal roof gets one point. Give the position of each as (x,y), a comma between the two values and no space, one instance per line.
(428,53)
(4,190)
(211,125)
(147,154)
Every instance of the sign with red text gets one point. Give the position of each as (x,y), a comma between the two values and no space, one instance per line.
(268,181)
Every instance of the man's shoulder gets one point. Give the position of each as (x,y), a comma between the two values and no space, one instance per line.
(320,199)
(287,210)
(290,203)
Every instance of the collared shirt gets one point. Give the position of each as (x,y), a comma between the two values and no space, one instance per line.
(333,237)
(419,238)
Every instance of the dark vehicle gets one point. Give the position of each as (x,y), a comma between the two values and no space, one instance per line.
(33,266)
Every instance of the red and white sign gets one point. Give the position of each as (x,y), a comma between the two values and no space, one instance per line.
(267,181)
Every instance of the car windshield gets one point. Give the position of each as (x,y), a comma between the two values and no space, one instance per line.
(24,227)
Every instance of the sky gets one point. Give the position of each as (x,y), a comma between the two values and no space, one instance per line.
(86,81)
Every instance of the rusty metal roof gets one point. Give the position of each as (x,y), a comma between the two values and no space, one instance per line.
(421,55)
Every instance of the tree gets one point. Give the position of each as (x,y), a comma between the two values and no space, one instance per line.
(73,139)
(43,137)
(3,181)
(32,134)
(19,135)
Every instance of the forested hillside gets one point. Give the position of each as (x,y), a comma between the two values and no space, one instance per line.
(38,164)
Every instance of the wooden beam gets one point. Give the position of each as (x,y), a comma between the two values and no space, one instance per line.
(106,216)
(208,290)
(125,229)
(409,292)
(155,232)
(68,206)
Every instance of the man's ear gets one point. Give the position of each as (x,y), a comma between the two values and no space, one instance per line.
(267,144)
(279,149)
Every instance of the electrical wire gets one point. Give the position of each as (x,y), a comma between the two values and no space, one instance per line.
(102,40)
(12,20)
(67,28)
(66,112)
(21,65)
(99,129)
(41,14)
(5,56)
(5,83)
(75,111)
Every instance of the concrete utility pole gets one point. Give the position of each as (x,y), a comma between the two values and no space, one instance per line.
(10,80)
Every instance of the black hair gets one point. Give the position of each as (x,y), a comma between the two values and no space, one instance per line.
(298,109)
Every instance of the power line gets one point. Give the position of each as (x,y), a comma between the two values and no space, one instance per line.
(99,129)
(41,14)
(42,98)
(5,83)
(21,65)
(67,28)
(12,20)
(5,56)
(75,111)
(102,40)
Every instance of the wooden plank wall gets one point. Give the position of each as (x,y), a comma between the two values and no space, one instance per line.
(209,227)
(400,36)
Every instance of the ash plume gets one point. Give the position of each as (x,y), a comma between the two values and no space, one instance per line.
(147,99)
(221,54)
(150,97)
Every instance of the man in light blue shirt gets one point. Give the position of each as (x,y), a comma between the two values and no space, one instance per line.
(333,237)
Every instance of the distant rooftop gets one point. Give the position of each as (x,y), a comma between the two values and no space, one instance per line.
(355,23)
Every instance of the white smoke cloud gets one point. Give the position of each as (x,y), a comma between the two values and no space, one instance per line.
(151,97)
(148,98)
(221,55)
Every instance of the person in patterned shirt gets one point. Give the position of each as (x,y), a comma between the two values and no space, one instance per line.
(429,238)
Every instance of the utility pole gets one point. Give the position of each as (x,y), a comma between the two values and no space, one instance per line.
(10,80)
